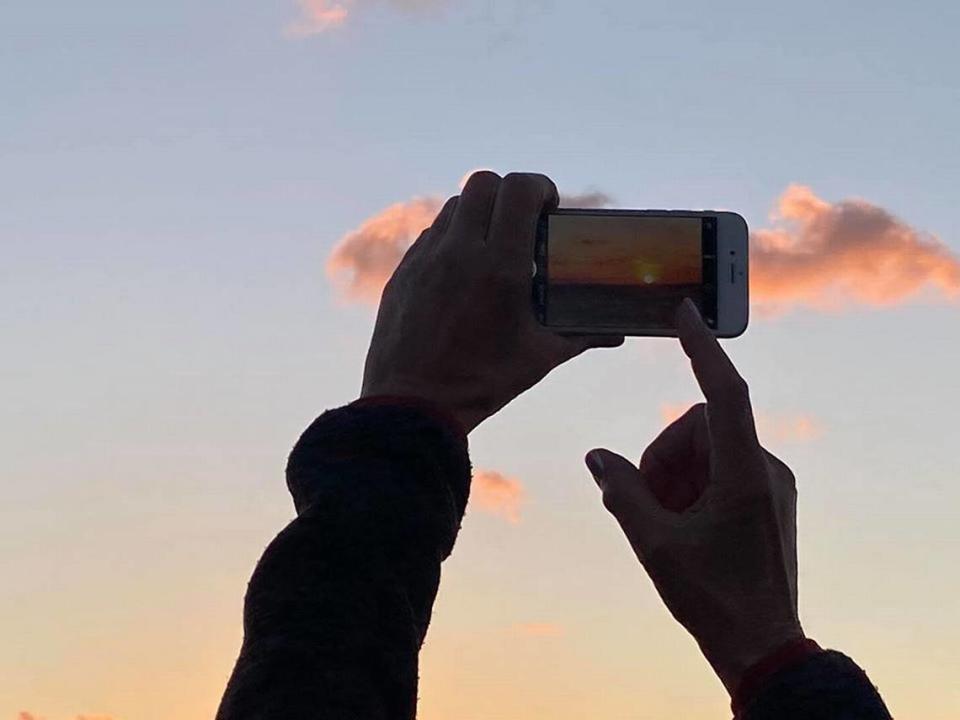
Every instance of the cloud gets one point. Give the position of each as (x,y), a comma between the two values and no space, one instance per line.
(538,629)
(788,428)
(591,199)
(497,494)
(24,715)
(778,428)
(319,16)
(830,256)
(820,255)
(364,259)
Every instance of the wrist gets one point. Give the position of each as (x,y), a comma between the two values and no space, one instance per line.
(429,407)
(733,662)
(465,412)
(757,675)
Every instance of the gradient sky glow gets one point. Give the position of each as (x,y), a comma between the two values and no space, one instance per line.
(173,179)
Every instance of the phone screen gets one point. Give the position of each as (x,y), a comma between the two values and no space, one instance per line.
(623,271)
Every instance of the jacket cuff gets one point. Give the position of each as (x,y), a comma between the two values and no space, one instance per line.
(342,446)
(432,409)
(788,654)
(823,686)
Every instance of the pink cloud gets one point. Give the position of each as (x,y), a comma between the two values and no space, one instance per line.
(24,715)
(498,495)
(788,428)
(365,258)
(778,428)
(830,256)
(317,16)
(821,255)
(539,630)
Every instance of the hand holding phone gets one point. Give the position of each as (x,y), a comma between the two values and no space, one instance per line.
(454,325)
(626,271)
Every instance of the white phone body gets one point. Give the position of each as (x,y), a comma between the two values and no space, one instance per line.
(733,275)
(727,280)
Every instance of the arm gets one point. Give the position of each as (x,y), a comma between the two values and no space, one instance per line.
(339,604)
(711,516)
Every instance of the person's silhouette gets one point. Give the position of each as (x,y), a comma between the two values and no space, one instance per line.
(339,604)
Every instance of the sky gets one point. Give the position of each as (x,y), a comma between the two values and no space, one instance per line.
(188,278)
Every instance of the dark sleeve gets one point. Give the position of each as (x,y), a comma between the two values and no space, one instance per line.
(338,606)
(825,686)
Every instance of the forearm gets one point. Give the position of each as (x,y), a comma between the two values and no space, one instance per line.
(339,604)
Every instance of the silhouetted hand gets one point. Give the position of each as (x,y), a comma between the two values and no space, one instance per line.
(456,323)
(711,515)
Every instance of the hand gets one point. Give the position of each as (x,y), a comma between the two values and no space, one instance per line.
(456,323)
(711,516)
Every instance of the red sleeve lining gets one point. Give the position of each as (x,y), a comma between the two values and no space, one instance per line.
(779,659)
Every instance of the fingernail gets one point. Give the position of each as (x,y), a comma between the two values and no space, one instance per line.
(595,465)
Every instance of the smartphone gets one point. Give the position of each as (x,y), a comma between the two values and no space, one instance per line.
(625,271)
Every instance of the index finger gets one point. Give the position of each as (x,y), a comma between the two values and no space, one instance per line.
(521,199)
(728,398)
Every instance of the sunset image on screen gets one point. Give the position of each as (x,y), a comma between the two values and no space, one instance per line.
(621,271)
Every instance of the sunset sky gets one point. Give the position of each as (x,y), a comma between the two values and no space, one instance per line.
(625,250)
(199,203)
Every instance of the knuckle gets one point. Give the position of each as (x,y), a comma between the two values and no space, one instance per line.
(529,186)
(736,394)
(739,389)
(788,478)
(780,471)
(482,179)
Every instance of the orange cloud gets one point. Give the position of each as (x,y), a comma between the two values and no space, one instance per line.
(777,428)
(818,254)
(24,715)
(317,16)
(788,428)
(538,629)
(365,258)
(498,495)
(829,256)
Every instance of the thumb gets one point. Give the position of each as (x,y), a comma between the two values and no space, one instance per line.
(572,346)
(626,495)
